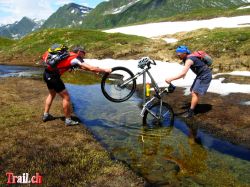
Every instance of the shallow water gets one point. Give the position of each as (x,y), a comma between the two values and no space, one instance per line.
(181,154)
(19,71)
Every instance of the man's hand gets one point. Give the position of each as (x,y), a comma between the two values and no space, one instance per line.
(108,70)
(168,80)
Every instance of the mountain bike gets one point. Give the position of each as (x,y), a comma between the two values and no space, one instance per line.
(120,85)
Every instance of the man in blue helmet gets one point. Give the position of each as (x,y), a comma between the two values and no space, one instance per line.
(202,80)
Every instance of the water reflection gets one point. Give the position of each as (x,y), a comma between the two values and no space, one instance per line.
(19,71)
(180,154)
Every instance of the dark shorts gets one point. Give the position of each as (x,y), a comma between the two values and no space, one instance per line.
(53,81)
(201,84)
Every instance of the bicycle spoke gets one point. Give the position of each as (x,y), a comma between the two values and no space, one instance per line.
(118,86)
(164,115)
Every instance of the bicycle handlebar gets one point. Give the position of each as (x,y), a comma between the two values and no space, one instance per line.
(145,61)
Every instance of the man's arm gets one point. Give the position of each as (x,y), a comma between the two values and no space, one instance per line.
(184,71)
(82,65)
(95,69)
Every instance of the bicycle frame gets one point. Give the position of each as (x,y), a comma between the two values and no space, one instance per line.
(146,70)
(148,104)
(156,88)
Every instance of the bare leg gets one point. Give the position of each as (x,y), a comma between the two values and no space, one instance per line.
(49,100)
(195,100)
(66,103)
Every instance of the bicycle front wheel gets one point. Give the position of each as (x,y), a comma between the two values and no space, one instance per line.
(119,85)
(159,115)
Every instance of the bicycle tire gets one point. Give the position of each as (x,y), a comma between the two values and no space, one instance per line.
(130,89)
(166,121)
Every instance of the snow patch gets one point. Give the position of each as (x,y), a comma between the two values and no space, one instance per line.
(170,40)
(246,103)
(120,9)
(164,28)
(164,70)
(243,7)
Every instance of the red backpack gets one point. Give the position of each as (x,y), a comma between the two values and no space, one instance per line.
(203,56)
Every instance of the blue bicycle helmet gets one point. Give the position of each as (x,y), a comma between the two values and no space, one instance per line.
(183,49)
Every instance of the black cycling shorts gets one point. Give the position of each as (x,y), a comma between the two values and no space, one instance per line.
(53,81)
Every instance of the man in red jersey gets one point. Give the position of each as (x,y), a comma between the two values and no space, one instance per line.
(55,84)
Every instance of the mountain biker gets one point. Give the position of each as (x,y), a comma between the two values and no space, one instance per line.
(202,80)
(56,86)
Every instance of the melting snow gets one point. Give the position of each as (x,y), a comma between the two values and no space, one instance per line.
(246,103)
(244,7)
(170,40)
(122,8)
(164,28)
(164,70)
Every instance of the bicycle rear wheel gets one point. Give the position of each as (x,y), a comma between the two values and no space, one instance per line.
(166,116)
(112,84)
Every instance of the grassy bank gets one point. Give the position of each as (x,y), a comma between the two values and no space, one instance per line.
(230,47)
(5,43)
(29,49)
(64,156)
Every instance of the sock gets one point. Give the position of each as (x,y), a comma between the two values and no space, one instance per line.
(45,113)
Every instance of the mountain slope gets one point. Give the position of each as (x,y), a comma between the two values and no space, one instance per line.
(69,15)
(116,13)
(5,43)
(19,28)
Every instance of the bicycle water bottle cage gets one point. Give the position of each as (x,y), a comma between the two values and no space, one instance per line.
(144,62)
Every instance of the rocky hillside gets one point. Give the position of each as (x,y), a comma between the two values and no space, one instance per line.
(69,15)
(114,13)
(20,28)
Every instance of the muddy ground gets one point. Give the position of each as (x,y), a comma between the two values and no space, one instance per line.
(223,116)
(64,156)
(226,117)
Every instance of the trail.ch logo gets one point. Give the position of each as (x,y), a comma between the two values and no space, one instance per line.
(24,178)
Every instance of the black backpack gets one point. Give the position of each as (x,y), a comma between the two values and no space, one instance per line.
(57,52)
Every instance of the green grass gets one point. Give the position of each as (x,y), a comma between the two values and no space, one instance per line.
(98,44)
(28,50)
(5,43)
(230,48)
(200,14)
(233,42)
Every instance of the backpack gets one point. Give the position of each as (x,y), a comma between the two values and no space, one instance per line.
(56,53)
(203,56)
